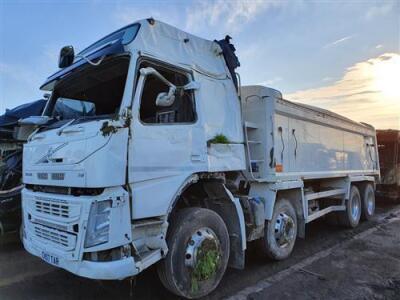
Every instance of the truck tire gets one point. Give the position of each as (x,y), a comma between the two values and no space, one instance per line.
(351,216)
(198,255)
(368,202)
(280,232)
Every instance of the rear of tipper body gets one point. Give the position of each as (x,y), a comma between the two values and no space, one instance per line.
(158,160)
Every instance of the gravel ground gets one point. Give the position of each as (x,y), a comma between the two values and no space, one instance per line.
(360,263)
(366,266)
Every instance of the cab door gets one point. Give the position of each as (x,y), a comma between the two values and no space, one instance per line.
(167,143)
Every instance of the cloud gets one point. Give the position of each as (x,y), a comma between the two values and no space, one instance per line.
(378,46)
(127,14)
(327,78)
(18,84)
(130,15)
(385,57)
(368,92)
(271,82)
(226,15)
(19,73)
(337,42)
(379,10)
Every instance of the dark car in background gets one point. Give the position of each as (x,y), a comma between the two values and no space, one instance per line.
(11,163)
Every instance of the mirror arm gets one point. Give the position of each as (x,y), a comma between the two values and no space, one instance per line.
(151,71)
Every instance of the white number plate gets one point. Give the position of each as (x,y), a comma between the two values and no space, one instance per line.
(51,259)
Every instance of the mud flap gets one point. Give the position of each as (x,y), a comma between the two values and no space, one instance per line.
(229,208)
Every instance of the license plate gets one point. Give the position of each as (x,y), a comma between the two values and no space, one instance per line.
(51,259)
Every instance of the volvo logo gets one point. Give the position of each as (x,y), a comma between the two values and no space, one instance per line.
(46,159)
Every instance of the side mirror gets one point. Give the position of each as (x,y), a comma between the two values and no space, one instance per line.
(66,57)
(166,99)
(34,121)
(163,98)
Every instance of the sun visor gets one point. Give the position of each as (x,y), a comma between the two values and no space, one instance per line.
(109,49)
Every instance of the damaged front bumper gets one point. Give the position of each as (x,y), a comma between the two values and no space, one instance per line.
(55,227)
(112,270)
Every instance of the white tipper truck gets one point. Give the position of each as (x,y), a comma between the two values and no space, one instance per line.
(161,157)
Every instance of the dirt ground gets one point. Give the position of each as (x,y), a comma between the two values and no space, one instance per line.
(366,268)
(331,263)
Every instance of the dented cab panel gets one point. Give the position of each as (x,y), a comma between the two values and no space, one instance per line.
(78,157)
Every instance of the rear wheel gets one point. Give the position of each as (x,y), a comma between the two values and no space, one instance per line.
(351,216)
(198,242)
(368,202)
(281,231)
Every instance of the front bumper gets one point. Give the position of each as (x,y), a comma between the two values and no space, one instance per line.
(55,227)
(113,270)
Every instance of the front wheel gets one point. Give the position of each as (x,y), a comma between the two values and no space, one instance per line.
(198,242)
(280,232)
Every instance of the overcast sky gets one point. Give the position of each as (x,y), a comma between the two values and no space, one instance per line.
(340,55)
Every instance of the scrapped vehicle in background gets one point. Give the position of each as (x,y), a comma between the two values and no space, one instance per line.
(389,159)
(170,161)
(12,137)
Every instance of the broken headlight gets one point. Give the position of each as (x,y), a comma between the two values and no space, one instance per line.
(99,223)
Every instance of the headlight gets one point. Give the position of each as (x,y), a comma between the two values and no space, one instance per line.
(99,224)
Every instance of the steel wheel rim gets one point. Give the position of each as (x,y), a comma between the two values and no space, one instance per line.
(370,204)
(196,242)
(284,230)
(355,208)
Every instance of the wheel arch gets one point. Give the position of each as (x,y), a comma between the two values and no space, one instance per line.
(293,191)
(209,191)
(360,182)
(361,185)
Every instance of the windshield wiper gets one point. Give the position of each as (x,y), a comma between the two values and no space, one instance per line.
(60,131)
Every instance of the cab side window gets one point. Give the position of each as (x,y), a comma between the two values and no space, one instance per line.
(182,110)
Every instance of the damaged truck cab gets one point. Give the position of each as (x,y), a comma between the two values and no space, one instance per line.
(155,158)
(103,181)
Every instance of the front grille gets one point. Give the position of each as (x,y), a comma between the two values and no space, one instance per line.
(62,239)
(52,208)
(53,176)
(52,236)
(64,190)
(57,176)
(43,176)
